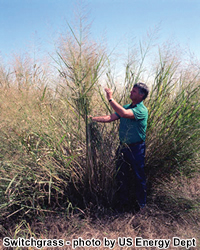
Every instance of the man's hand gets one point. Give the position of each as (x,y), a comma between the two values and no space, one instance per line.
(104,118)
(109,93)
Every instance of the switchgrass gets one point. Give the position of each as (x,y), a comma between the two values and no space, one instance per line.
(80,64)
(173,127)
(54,160)
(158,222)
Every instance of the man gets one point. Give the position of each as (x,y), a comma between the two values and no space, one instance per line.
(132,134)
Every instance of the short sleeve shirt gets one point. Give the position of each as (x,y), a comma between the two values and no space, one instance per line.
(134,130)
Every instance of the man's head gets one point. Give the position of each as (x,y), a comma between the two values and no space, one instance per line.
(141,91)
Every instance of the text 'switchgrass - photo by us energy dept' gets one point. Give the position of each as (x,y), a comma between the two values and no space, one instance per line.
(105,242)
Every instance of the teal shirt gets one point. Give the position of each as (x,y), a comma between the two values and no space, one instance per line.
(134,130)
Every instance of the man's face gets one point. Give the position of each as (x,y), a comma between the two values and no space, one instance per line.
(134,93)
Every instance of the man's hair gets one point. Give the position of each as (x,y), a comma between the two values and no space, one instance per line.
(143,89)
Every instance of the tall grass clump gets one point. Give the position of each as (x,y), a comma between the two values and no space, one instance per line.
(35,168)
(174,125)
(81,64)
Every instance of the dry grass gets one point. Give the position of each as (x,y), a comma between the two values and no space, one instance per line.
(161,220)
(43,152)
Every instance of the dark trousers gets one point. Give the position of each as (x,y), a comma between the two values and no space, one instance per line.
(130,159)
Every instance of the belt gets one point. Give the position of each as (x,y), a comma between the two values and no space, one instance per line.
(132,144)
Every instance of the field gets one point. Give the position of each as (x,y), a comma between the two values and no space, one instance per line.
(57,168)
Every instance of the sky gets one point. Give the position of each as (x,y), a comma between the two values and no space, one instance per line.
(26,24)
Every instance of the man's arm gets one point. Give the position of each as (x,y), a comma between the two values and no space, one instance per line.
(105,118)
(122,112)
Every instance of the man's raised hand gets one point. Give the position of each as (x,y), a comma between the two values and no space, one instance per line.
(108,93)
